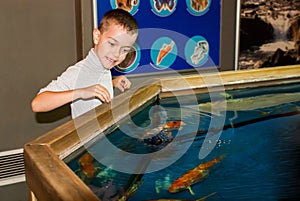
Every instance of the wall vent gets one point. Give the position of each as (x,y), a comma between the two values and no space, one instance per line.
(12,169)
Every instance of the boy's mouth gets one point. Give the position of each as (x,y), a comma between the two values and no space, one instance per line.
(110,61)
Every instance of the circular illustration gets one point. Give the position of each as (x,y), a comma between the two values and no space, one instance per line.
(163,52)
(198,7)
(196,51)
(131,61)
(163,8)
(130,6)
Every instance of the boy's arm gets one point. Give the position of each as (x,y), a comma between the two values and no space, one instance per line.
(50,100)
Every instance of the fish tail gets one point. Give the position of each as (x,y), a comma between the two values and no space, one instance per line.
(221,157)
(218,159)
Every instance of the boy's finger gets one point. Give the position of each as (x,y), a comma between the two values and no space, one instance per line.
(103,97)
(103,94)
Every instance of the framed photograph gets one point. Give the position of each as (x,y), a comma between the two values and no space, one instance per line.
(269,33)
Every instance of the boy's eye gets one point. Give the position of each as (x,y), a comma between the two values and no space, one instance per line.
(111,43)
(126,50)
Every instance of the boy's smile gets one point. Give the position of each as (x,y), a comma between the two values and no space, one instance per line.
(113,44)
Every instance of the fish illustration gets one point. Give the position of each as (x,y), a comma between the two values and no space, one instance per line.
(200,199)
(249,103)
(166,49)
(193,176)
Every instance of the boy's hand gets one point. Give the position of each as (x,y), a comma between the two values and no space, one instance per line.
(121,83)
(93,91)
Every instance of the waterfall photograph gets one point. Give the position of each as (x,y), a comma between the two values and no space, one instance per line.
(269,33)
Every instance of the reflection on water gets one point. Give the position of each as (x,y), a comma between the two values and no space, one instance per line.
(260,149)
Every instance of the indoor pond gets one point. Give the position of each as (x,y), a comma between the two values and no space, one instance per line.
(252,149)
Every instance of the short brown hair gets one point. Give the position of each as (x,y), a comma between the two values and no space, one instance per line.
(120,17)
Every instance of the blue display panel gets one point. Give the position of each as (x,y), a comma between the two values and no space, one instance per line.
(174,35)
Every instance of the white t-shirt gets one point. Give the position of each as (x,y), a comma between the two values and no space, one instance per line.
(86,72)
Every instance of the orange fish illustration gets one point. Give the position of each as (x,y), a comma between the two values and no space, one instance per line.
(166,49)
(200,199)
(193,176)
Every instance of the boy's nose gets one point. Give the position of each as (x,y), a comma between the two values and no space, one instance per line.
(116,52)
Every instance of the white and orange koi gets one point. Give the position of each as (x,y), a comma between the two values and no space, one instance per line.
(193,176)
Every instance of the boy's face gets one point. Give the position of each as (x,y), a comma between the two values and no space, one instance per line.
(112,45)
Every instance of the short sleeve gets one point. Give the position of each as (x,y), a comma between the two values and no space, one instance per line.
(66,81)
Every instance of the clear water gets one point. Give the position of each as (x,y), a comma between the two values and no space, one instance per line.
(261,147)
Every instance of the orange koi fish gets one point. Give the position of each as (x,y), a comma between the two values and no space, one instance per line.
(166,48)
(86,163)
(173,125)
(87,170)
(200,199)
(193,176)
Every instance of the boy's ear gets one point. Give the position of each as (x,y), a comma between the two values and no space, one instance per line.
(96,36)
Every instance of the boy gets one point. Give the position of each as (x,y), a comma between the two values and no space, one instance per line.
(89,82)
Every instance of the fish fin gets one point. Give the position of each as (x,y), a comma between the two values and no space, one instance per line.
(205,173)
(191,190)
(157,190)
(207,196)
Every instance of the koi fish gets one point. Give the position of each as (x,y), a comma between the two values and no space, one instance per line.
(193,176)
(173,125)
(250,103)
(87,170)
(166,48)
(200,199)
(86,163)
